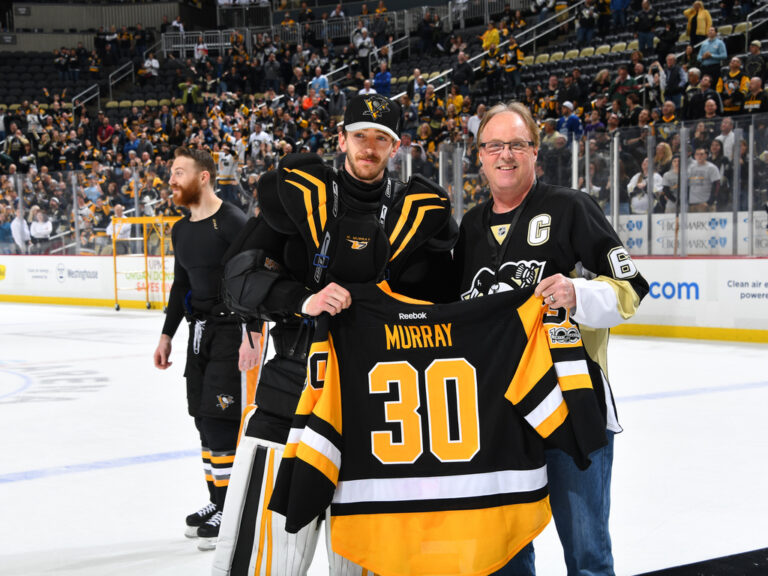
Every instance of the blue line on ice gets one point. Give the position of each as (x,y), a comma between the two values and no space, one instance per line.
(100,465)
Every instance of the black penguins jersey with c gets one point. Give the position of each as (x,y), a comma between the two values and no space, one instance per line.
(426,434)
(554,230)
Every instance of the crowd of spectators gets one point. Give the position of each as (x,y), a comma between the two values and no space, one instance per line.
(76,165)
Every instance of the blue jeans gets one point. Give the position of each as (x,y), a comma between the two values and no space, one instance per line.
(584,36)
(581,502)
(645,43)
(619,19)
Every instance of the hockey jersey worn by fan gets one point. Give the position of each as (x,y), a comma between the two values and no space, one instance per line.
(554,230)
(424,426)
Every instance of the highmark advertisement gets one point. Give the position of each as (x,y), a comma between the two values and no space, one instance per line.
(708,234)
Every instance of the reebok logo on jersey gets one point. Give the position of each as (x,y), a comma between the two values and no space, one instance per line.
(412,316)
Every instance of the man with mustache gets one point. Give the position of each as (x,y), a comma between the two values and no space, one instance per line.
(318,229)
(535,234)
(200,240)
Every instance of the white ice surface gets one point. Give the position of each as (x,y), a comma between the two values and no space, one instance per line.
(100,461)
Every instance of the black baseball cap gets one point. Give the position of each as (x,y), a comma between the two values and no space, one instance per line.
(373,111)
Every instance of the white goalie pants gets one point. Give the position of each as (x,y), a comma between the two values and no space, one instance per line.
(252,539)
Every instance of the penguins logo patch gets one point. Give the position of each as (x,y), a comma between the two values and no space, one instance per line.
(511,276)
(225,401)
(376,107)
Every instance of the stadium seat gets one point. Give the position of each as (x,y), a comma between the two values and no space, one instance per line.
(587,52)
(619,47)
(741,27)
(571,54)
(542,59)
(528,61)
(111,104)
(556,56)
(683,37)
(164,102)
(724,30)
(139,103)
(633,45)
(124,104)
(602,49)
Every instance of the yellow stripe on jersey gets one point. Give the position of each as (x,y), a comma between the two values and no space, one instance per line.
(290,450)
(319,461)
(574,382)
(464,543)
(308,208)
(384,286)
(536,359)
(530,314)
(416,223)
(321,197)
(407,205)
(311,393)
(553,421)
(328,406)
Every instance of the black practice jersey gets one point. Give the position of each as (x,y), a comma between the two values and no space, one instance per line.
(198,251)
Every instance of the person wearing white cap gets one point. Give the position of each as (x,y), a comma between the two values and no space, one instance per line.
(756,64)
(569,124)
(320,228)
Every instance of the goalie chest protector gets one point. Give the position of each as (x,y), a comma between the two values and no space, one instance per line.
(335,236)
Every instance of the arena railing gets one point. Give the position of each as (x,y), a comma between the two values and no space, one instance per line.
(761,12)
(93,91)
(394,47)
(76,233)
(216,41)
(539,30)
(675,219)
(127,69)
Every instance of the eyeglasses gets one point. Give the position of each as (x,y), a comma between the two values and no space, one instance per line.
(496,146)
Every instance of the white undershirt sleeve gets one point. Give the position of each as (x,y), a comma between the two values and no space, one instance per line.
(597,305)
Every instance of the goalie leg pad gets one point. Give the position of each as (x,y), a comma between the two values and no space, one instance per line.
(252,539)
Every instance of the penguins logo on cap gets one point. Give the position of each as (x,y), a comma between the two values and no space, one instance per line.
(377,107)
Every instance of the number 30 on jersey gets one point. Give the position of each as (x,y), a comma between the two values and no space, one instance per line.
(454,427)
